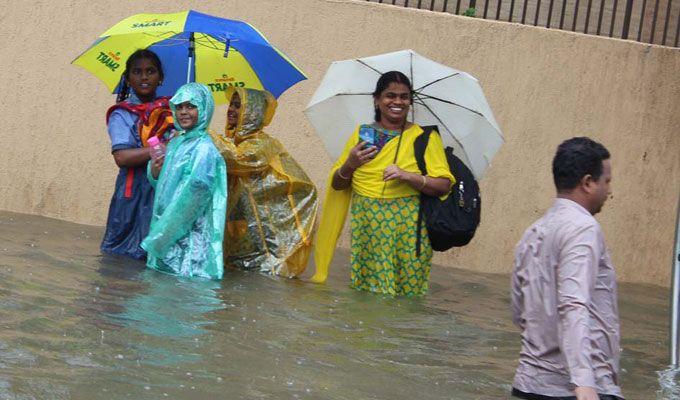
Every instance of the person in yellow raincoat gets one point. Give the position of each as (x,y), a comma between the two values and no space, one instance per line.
(272,204)
(378,174)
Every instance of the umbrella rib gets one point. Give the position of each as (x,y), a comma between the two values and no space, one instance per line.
(413,110)
(427,96)
(440,121)
(172,41)
(159,34)
(438,80)
(210,40)
(354,94)
(167,44)
(410,59)
(368,66)
(206,41)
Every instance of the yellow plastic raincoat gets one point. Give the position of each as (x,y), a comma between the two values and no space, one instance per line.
(272,203)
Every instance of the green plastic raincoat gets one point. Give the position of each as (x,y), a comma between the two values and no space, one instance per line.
(187,225)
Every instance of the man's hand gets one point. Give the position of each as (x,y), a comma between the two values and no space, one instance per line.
(586,393)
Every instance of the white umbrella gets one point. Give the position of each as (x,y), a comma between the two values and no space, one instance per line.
(443,96)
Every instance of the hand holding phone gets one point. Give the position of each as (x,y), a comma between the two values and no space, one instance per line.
(367,134)
(360,155)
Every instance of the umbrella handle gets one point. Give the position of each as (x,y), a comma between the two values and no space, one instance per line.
(191,56)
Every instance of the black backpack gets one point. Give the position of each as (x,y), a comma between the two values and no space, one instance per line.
(452,222)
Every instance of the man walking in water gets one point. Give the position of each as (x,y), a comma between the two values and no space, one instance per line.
(564,287)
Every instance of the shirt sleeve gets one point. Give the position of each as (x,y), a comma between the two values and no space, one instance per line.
(122,129)
(516,295)
(576,275)
(435,159)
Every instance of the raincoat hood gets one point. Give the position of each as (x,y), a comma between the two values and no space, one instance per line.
(198,95)
(256,112)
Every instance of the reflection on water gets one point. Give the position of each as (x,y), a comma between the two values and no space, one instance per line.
(669,380)
(78,325)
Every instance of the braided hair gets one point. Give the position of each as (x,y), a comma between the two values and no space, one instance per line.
(124,91)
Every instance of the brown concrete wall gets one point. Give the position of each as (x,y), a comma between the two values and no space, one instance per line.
(544,87)
(573,9)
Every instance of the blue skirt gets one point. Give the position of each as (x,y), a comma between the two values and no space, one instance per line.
(129,214)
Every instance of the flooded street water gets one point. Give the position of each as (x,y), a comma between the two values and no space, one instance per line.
(77,325)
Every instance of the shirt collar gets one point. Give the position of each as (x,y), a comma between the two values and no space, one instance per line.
(560,201)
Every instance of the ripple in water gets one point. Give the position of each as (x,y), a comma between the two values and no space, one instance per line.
(669,381)
(77,325)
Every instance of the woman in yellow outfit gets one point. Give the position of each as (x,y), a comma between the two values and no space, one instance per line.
(377,172)
(272,203)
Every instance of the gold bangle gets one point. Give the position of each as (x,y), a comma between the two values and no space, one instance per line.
(424,183)
(341,176)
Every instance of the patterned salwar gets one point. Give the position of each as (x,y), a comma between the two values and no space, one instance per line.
(383,257)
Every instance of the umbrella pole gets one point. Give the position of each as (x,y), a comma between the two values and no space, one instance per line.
(675,296)
(191,56)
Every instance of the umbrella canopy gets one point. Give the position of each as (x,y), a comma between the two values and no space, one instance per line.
(443,96)
(193,47)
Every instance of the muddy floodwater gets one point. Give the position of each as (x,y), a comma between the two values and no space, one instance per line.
(78,325)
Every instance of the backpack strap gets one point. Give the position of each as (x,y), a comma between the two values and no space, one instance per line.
(419,146)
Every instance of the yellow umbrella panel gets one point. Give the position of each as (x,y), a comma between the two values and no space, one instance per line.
(193,47)
(106,58)
(219,72)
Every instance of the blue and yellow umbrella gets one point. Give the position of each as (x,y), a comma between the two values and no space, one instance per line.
(193,47)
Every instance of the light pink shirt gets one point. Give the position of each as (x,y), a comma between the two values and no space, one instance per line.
(564,301)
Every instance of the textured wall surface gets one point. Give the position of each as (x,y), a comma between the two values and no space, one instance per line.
(543,85)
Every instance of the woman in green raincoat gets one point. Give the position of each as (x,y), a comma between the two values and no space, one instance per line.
(187,224)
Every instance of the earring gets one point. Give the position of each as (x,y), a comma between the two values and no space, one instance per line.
(160,83)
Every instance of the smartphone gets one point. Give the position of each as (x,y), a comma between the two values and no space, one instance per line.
(367,134)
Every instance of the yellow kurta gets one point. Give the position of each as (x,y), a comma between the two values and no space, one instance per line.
(367,181)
